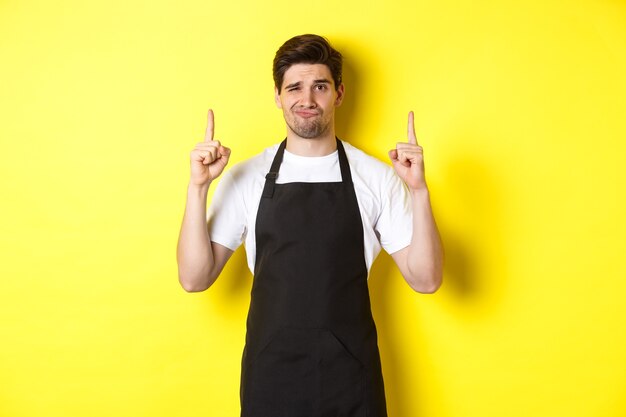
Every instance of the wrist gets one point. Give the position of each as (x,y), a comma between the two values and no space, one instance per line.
(421,192)
(201,189)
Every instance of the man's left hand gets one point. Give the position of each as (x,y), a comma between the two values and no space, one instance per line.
(408,160)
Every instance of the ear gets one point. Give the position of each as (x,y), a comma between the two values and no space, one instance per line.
(340,93)
(277,98)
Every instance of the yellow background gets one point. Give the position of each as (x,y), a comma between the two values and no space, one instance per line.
(520,107)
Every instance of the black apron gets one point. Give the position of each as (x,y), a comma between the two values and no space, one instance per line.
(311,345)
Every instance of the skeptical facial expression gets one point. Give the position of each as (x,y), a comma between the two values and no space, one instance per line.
(308,99)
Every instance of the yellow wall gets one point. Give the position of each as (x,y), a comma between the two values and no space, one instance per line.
(521,110)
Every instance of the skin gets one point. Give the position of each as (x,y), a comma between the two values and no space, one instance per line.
(308,99)
(421,263)
(200,260)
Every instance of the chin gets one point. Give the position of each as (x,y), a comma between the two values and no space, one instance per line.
(314,133)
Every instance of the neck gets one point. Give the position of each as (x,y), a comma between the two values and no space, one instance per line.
(320,146)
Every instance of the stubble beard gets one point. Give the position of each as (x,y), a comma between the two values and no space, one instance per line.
(308,128)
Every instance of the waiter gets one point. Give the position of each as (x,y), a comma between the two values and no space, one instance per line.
(313,212)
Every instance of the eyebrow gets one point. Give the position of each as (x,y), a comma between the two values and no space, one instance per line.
(320,81)
(292,85)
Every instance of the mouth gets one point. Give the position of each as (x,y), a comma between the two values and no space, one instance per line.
(306,114)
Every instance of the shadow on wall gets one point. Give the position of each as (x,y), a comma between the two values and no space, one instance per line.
(472,276)
(476,248)
(349,107)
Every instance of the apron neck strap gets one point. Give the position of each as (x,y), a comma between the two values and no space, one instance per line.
(270,178)
(346,176)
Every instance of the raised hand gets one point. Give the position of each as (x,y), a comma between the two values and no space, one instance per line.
(208,158)
(408,159)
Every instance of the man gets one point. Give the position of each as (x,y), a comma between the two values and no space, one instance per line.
(314,212)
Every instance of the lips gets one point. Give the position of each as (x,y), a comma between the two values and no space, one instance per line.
(306,114)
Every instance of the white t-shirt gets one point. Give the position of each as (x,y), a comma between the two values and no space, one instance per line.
(383,198)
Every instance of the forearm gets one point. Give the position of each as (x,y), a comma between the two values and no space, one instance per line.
(425,253)
(194,254)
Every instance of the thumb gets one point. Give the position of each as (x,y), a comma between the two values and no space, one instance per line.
(224,154)
(397,165)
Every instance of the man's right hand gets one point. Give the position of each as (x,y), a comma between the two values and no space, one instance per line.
(208,158)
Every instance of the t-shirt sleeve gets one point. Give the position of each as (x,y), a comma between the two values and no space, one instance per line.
(395,223)
(226,217)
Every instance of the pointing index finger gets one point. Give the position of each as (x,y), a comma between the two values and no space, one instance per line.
(210,126)
(411,130)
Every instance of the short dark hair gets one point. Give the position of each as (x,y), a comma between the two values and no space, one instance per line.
(307,49)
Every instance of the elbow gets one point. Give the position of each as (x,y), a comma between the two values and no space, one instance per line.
(429,287)
(426,279)
(426,283)
(194,284)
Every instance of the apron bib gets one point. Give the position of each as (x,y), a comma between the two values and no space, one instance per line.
(311,344)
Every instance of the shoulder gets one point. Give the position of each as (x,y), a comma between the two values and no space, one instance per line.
(252,168)
(243,181)
(368,168)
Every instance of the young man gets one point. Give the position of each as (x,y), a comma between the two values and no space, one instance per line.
(314,212)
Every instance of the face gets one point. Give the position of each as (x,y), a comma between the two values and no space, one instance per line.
(308,99)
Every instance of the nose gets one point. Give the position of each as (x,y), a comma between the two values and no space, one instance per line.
(306,100)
